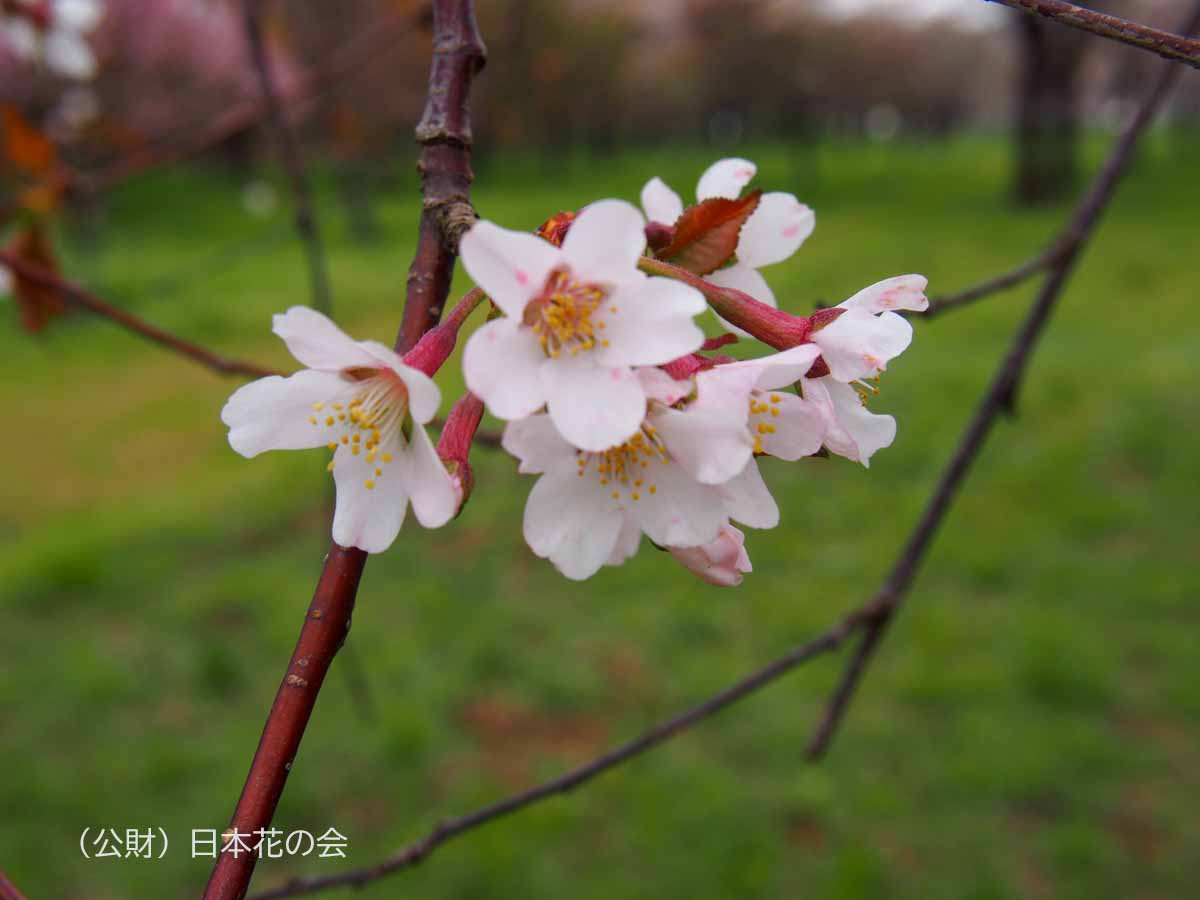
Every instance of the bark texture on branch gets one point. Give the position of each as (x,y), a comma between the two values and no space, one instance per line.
(1175,47)
(444,134)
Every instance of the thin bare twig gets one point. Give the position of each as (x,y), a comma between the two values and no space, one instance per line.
(451,828)
(458,56)
(1038,263)
(130,322)
(1174,47)
(998,399)
(307,225)
(8,890)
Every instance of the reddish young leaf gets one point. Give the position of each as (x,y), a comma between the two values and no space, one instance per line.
(37,303)
(706,235)
(26,149)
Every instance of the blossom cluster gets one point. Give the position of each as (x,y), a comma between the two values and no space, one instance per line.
(610,391)
(52,31)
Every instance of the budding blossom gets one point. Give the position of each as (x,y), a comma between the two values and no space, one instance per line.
(577,320)
(722,561)
(772,234)
(361,400)
(53,31)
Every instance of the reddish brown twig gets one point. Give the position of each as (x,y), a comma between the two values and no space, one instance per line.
(999,398)
(130,322)
(8,890)
(1174,47)
(307,226)
(445,181)
(444,134)
(452,828)
(1038,263)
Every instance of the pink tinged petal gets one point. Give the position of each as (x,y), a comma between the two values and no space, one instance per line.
(319,344)
(862,432)
(424,397)
(593,407)
(536,443)
(785,368)
(434,494)
(572,521)
(859,345)
(747,499)
(900,292)
(510,266)
(654,323)
(627,542)
(660,202)
(721,562)
(725,389)
(605,242)
(369,518)
(776,229)
(77,15)
(680,512)
(742,277)
(276,413)
(799,428)
(725,178)
(710,446)
(68,54)
(660,386)
(501,364)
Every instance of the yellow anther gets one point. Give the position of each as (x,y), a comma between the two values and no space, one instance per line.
(761,428)
(356,438)
(616,495)
(312,420)
(379,472)
(345,440)
(354,449)
(338,406)
(369,484)
(775,398)
(387,457)
(332,445)
(341,417)
(318,406)
(329,420)
(774,411)
(329,467)
(635,495)
(653,489)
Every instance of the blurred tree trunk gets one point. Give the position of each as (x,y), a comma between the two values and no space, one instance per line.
(1047,134)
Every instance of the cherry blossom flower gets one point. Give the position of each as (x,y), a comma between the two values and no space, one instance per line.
(774,232)
(54,32)
(577,320)
(856,347)
(590,508)
(360,400)
(861,341)
(722,561)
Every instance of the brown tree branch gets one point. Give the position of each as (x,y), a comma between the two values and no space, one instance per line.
(452,828)
(8,890)
(445,169)
(1038,263)
(130,322)
(998,399)
(1174,47)
(307,225)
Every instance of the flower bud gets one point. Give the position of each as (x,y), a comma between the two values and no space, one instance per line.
(722,561)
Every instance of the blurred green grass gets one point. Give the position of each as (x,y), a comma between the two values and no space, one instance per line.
(1030,729)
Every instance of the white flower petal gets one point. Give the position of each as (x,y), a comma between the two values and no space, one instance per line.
(725,178)
(68,54)
(775,230)
(424,397)
(724,390)
(859,345)
(21,38)
(711,446)
(536,443)
(273,413)
(660,386)
(432,491)
(742,277)
(605,241)
(593,407)
(572,521)
(78,15)
(785,368)
(319,344)
(680,512)
(501,364)
(799,428)
(862,431)
(899,292)
(654,324)
(747,499)
(660,202)
(628,542)
(510,266)
(369,518)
